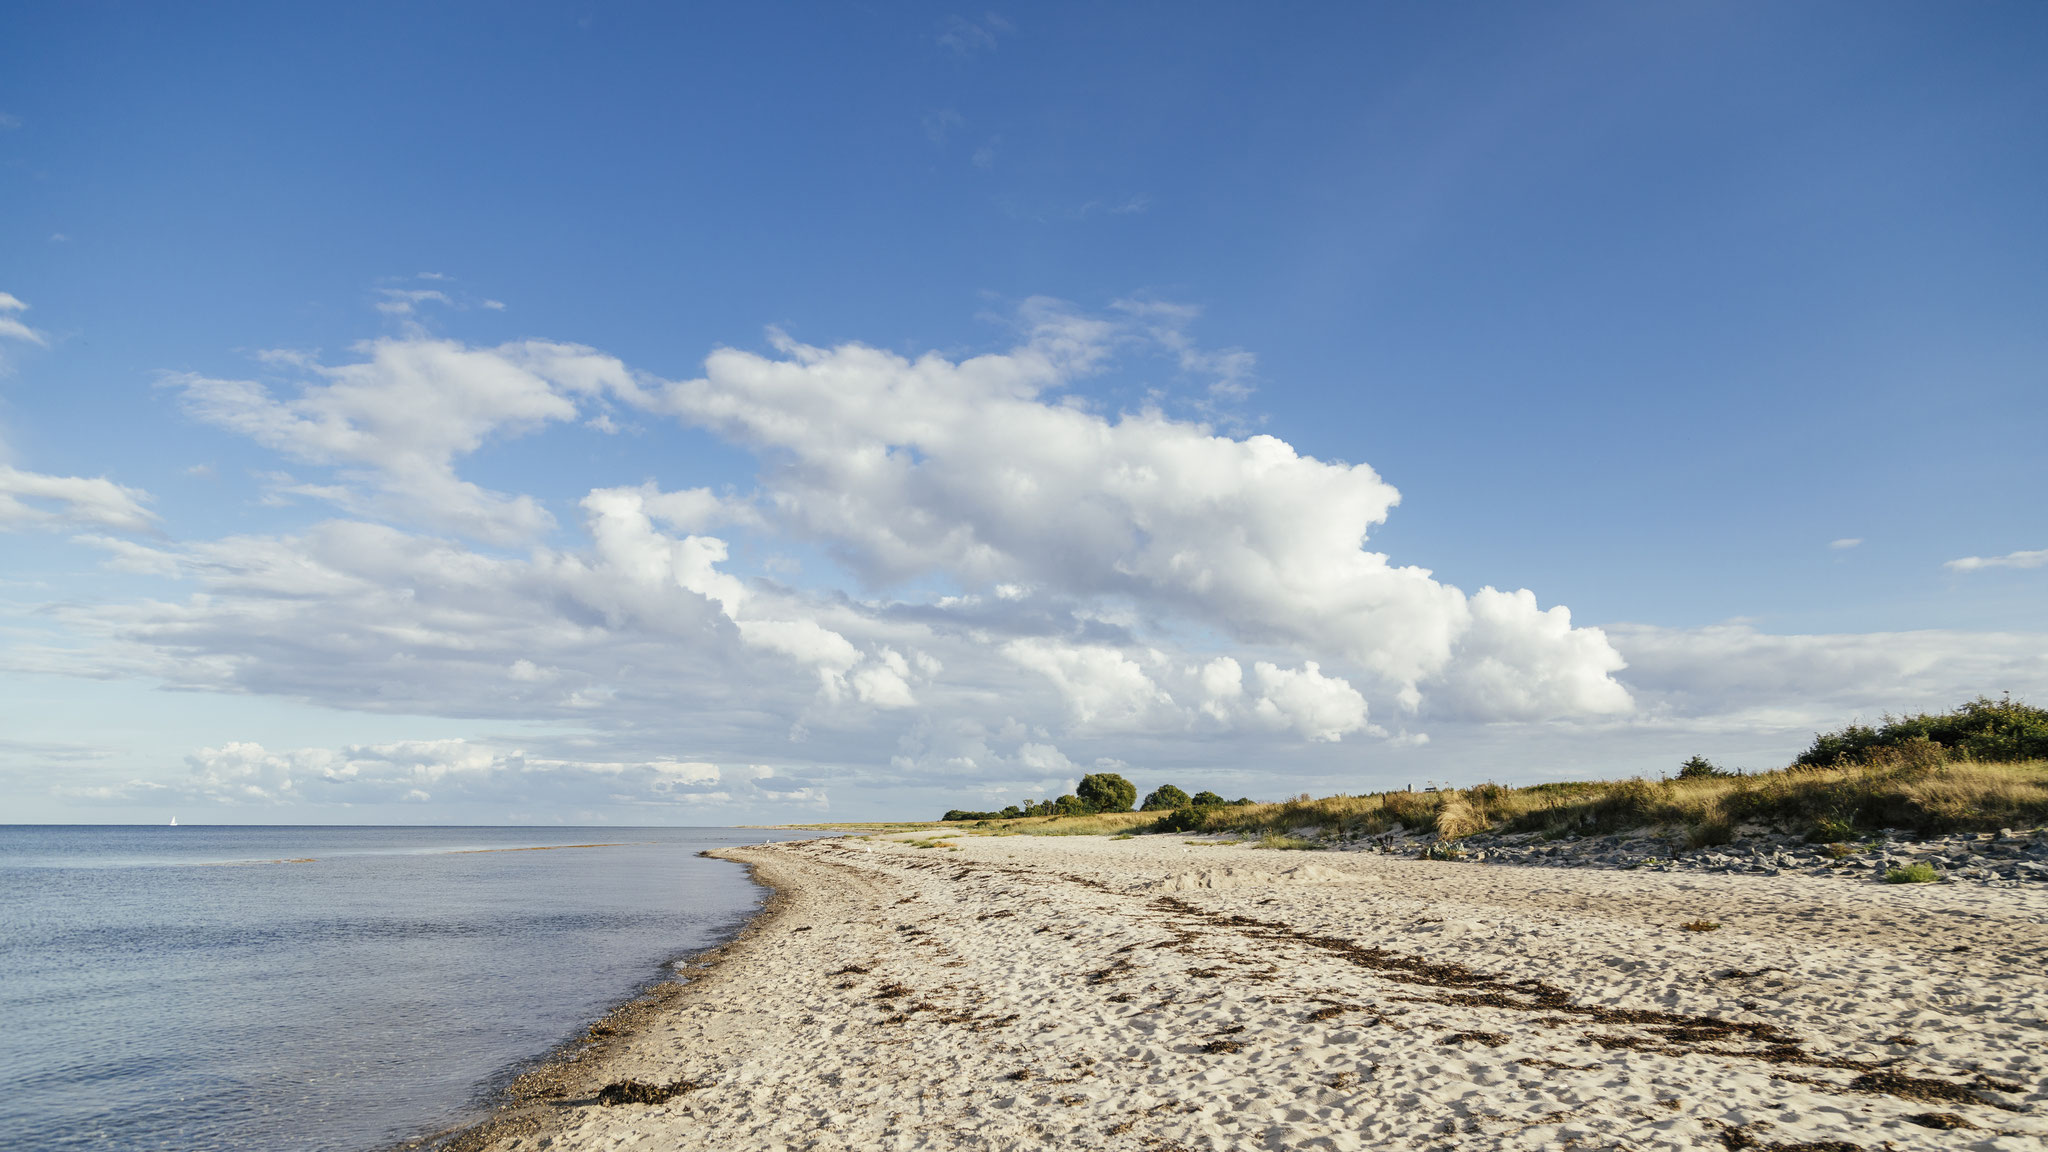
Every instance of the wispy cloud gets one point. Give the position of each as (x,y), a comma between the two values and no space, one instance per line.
(1845,543)
(940,123)
(969,37)
(11,327)
(36,500)
(2034,559)
(405,301)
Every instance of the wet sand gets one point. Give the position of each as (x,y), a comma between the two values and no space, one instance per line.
(1155,994)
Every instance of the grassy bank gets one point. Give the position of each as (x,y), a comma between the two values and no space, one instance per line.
(1825,804)
(1920,792)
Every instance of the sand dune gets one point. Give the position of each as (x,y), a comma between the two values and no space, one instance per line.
(1146,994)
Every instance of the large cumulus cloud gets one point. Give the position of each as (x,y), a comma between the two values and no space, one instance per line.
(976,470)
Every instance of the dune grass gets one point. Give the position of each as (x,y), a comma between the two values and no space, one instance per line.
(1916,788)
(1912,790)
(1921,873)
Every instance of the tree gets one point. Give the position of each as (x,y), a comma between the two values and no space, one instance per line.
(1165,798)
(1070,805)
(1106,792)
(1699,768)
(1207,799)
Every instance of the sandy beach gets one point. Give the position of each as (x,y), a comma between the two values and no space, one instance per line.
(1161,993)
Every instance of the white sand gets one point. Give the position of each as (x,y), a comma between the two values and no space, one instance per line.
(1089,993)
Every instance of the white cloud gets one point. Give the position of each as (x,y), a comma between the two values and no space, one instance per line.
(1105,690)
(2033,559)
(36,500)
(967,38)
(11,327)
(1732,676)
(402,416)
(1316,706)
(1845,543)
(446,771)
(975,470)
(405,301)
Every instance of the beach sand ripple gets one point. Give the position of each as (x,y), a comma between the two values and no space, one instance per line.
(1148,994)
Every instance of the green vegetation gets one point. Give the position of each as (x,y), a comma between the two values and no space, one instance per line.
(1912,874)
(1983,729)
(1106,792)
(1286,843)
(1165,798)
(1700,768)
(1927,796)
(1097,792)
(1931,774)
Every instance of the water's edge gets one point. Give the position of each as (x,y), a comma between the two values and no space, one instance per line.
(521,1099)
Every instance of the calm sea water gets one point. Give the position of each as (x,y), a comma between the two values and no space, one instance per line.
(320,988)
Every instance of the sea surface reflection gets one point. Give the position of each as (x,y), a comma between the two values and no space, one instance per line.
(321,988)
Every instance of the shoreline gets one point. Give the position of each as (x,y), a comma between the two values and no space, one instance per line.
(535,1094)
(1148,994)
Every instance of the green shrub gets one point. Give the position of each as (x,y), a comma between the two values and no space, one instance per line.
(1189,819)
(1912,874)
(1982,729)
(1207,799)
(1830,830)
(1106,792)
(1071,805)
(1699,768)
(1287,843)
(1165,798)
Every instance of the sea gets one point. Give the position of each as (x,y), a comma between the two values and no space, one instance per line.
(318,988)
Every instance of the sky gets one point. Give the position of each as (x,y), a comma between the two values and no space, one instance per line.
(605,413)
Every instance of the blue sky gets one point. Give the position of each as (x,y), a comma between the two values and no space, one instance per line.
(1649,310)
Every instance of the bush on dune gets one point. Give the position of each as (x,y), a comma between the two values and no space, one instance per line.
(1982,729)
(1166,798)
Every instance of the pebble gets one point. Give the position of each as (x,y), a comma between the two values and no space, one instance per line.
(2001,859)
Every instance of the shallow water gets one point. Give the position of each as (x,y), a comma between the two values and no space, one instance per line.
(320,988)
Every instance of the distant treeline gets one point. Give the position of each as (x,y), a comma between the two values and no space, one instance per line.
(1102,792)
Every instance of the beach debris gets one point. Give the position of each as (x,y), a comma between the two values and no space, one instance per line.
(1214,878)
(1943,1120)
(640,1092)
(1490,1039)
(1700,925)
(1930,1090)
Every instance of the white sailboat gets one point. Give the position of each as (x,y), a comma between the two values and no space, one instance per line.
(174,821)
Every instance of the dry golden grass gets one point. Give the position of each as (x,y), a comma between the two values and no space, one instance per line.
(1914,788)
